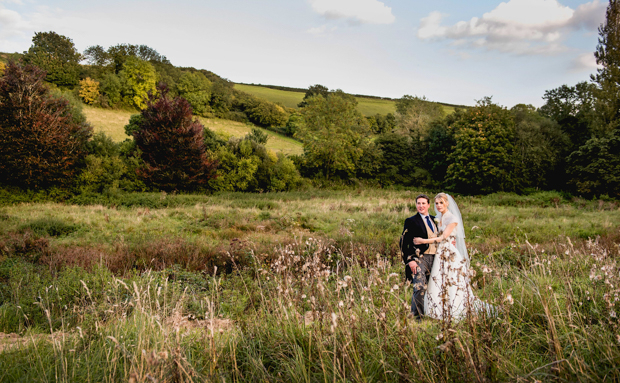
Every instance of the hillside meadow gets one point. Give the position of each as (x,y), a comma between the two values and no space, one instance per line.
(112,122)
(299,286)
(365,105)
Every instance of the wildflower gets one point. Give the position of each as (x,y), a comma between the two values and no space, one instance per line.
(392,275)
(612,314)
(303,296)
(509,299)
(439,336)
(347,278)
(341,304)
(395,287)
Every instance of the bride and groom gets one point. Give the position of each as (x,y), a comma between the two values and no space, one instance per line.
(436,261)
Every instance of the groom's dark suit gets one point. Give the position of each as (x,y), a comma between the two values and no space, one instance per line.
(415,227)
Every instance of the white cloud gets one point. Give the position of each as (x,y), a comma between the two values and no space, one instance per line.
(11,24)
(584,63)
(517,26)
(354,11)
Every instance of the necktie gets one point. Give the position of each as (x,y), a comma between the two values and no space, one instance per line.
(430,225)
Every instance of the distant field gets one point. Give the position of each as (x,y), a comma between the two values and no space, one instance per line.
(366,106)
(112,123)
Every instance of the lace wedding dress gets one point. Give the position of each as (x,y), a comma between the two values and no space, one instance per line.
(449,294)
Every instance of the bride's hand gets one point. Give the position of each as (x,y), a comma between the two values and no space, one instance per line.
(418,241)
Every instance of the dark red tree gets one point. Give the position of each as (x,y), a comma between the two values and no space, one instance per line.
(172,145)
(41,144)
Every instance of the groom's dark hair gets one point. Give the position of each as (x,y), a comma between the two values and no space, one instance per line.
(423,196)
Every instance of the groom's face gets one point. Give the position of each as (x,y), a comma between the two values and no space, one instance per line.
(422,205)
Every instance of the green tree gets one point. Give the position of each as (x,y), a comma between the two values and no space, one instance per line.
(483,159)
(195,87)
(313,90)
(111,89)
(574,108)
(608,77)
(57,55)
(414,115)
(333,134)
(594,169)
(540,145)
(138,79)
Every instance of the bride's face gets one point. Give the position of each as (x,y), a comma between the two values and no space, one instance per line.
(440,206)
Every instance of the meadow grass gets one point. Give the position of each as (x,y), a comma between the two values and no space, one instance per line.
(112,122)
(308,287)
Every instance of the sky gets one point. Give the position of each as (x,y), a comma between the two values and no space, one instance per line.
(449,51)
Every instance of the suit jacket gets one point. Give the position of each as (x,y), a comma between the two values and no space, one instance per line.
(414,227)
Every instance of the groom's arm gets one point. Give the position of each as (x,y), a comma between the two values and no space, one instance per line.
(408,249)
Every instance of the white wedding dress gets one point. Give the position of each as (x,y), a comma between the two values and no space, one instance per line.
(449,294)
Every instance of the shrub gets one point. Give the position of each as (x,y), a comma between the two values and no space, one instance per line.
(49,227)
(172,145)
(196,89)
(595,168)
(2,68)
(42,141)
(89,91)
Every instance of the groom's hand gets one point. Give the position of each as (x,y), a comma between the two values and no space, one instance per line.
(413,266)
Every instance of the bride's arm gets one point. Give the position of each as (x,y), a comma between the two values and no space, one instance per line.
(448,230)
(446,233)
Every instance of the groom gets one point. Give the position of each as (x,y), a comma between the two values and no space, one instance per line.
(418,259)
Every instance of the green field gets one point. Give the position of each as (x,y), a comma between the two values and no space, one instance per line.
(112,123)
(366,106)
(302,286)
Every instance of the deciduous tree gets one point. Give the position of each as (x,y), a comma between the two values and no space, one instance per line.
(608,55)
(138,79)
(89,91)
(483,159)
(333,134)
(41,143)
(57,55)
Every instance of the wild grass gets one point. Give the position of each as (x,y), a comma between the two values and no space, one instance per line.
(112,123)
(309,288)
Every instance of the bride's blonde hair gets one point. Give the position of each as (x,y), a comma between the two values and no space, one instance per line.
(444,198)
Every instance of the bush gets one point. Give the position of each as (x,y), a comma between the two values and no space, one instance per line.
(42,140)
(172,145)
(51,227)
(89,91)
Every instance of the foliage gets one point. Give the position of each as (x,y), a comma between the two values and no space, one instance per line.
(111,89)
(2,68)
(608,77)
(172,145)
(295,121)
(414,114)
(266,113)
(382,123)
(57,55)
(89,91)
(138,80)
(595,167)
(540,145)
(574,108)
(195,87)
(314,90)
(41,142)
(246,165)
(483,158)
(333,135)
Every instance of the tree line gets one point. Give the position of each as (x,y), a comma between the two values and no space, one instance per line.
(571,143)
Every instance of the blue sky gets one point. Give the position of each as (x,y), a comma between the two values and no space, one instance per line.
(447,50)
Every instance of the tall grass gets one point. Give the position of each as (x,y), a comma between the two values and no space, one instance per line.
(139,297)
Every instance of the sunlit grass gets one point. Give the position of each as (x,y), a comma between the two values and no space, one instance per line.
(112,122)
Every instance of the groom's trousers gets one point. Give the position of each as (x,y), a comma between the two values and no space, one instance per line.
(419,281)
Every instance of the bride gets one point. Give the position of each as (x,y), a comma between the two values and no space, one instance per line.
(449,294)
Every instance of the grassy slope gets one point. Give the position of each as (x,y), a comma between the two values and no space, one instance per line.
(367,106)
(112,123)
